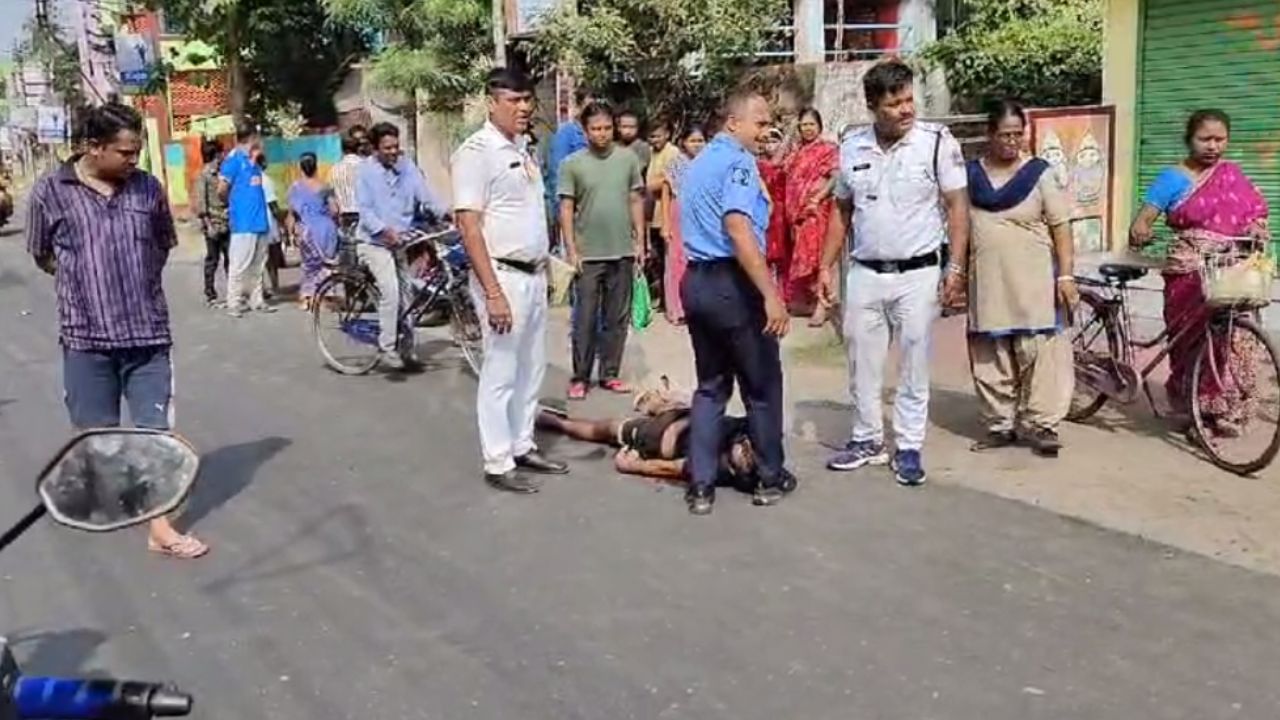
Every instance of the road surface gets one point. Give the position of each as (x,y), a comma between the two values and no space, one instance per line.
(362,570)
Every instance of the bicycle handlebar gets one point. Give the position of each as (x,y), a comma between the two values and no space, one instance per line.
(51,698)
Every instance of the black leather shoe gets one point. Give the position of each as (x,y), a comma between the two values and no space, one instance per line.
(788,482)
(700,501)
(535,461)
(513,482)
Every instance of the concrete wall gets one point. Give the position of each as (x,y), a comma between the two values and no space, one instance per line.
(1122,25)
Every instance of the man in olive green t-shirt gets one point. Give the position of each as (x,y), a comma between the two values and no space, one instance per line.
(602,226)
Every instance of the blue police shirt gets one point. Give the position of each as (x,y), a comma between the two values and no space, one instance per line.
(723,178)
(246,200)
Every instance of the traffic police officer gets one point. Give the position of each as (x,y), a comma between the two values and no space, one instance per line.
(498,202)
(903,184)
(734,315)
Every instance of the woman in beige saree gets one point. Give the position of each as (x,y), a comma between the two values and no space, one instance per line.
(1020,289)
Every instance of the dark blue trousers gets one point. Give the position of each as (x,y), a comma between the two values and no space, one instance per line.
(725,316)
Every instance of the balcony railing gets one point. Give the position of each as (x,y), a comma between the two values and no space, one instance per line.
(781,46)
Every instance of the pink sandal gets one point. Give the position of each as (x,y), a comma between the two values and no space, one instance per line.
(185,547)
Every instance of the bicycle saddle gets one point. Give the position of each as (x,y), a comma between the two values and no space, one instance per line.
(1118,272)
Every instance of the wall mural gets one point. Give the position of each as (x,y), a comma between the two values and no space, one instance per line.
(1078,143)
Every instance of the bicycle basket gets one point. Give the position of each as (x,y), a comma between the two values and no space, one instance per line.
(1237,279)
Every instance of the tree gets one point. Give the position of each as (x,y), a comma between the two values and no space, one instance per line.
(441,48)
(277,52)
(1041,52)
(43,44)
(680,56)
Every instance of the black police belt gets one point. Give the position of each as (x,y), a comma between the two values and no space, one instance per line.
(521,266)
(896,267)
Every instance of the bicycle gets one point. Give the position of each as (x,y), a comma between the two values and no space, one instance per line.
(345,306)
(1106,369)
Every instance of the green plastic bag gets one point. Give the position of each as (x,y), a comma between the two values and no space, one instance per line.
(641,305)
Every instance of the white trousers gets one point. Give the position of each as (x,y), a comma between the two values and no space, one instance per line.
(514,366)
(392,276)
(246,259)
(880,307)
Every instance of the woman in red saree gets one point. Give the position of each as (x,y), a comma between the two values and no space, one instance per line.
(809,181)
(1206,202)
(772,164)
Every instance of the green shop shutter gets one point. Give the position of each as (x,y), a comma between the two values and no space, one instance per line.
(1221,54)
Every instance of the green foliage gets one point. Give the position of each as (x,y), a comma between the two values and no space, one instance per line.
(440,47)
(1042,52)
(290,51)
(47,46)
(681,56)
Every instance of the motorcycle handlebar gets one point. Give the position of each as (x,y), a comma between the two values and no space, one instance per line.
(51,698)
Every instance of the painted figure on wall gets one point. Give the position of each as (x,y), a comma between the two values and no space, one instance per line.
(1088,178)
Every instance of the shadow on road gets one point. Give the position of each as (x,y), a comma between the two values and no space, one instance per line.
(64,652)
(227,472)
(339,535)
(6,401)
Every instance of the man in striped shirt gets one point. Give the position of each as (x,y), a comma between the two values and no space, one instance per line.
(355,147)
(103,230)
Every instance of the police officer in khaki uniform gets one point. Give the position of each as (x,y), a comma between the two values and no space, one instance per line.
(498,203)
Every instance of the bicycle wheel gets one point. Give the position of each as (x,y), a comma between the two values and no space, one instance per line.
(466,331)
(1235,398)
(344,320)
(1095,351)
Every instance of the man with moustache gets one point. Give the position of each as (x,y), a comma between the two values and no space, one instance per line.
(734,315)
(500,209)
(902,184)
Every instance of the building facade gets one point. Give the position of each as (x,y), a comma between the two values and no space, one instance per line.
(1164,59)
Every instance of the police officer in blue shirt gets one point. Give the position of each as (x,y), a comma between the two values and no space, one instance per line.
(734,315)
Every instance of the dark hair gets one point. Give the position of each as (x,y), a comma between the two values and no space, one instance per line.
(245,130)
(1004,109)
(813,113)
(592,110)
(886,78)
(381,130)
(261,160)
(627,112)
(1200,117)
(308,164)
(581,93)
(689,131)
(101,124)
(661,123)
(210,150)
(502,78)
(350,144)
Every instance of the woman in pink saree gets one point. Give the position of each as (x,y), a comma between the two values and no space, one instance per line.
(810,171)
(1206,202)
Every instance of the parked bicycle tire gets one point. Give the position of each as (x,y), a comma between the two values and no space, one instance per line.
(344,321)
(1087,401)
(466,331)
(1211,438)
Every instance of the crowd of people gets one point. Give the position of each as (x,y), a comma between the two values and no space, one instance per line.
(737,230)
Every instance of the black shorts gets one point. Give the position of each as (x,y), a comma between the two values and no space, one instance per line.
(644,434)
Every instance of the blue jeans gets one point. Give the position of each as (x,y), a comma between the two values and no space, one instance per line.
(95,381)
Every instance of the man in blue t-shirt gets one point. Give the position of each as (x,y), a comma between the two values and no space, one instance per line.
(240,184)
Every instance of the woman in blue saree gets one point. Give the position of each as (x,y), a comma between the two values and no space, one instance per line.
(314,211)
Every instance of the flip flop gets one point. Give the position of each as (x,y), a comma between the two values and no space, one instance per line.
(185,547)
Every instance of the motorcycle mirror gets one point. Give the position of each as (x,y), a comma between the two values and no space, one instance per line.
(105,480)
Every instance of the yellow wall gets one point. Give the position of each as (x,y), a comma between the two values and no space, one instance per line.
(1122,25)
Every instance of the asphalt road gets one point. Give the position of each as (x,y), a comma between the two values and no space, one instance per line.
(362,570)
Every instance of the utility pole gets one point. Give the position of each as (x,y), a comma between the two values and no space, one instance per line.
(499,20)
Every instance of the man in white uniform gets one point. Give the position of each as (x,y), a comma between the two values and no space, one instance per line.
(500,209)
(903,184)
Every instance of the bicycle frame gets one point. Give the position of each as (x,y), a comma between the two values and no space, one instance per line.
(1117,307)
